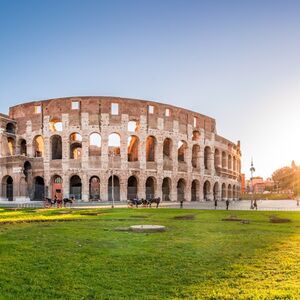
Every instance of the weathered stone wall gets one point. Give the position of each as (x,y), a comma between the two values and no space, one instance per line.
(221,157)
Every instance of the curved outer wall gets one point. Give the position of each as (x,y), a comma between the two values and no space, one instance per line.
(184,158)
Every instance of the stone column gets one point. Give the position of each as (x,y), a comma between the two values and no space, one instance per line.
(104,186)
(142,144)
(158,191)
(123,188)
(173,192)
(66,186)
(30,150)
(188,192)
(85,187)
(141,188)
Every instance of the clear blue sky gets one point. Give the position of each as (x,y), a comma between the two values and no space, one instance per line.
(237,61)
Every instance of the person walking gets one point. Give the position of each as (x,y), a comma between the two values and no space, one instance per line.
(216,203)
(227,204)
(255,204)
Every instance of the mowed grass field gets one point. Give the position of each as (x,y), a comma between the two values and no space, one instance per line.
(199,257)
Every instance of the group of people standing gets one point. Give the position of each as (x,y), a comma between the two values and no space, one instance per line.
(226,202)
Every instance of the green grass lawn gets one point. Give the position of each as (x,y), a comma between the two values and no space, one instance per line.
(203,258)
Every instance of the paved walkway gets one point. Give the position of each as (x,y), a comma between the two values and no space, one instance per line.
(266,205)
(283,205)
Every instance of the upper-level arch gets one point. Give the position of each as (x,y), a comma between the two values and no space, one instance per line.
(95,144)
(151,148)
(75,145)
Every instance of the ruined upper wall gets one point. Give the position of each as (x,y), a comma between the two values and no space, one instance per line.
(96,106)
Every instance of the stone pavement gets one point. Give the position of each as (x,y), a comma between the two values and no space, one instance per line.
(266,205)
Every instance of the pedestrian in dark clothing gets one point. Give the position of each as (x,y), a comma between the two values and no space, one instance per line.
(216,203)
(181,203)
(227,204)
(255,204)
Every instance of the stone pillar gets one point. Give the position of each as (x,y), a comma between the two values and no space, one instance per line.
(48,187)
(188,191)
(158,191)
(66,186)
(85,187)
(123,188)
(142,144)
(173,192)
(104,186)
(175,148)
(159,155)
(201,195)
(141,188)
(29,141)
(123,149)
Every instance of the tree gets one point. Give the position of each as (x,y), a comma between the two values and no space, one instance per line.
(288,178)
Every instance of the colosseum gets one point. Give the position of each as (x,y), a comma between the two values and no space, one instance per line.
(99,148)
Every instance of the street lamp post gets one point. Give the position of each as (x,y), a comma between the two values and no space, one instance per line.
(252,170)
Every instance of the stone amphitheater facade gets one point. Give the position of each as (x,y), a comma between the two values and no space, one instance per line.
(102,147)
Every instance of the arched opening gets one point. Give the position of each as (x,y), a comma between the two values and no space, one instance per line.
(196,136)
(114,144)
(150,148)
(224,160)
(216,191)
(150,188)
(207,158)
(95,144)
(132,185)
(195,189)
(166,189)
(206,190)
(23,147)
(38,146)
(10,128)
(56,147)
(11,146)
(57,187)
(234,164)
(167,154)
(229,192)
(229,162)
(8,188)
(217,159)
(182,149)
(39,189)
(75,145)
(223,191)
(29,183)
(55,125)
(167,149)
(94,188)
(234,192)
(181,190)
(75,187)
(132,126)
(196,156)
(133,148)
(113,188)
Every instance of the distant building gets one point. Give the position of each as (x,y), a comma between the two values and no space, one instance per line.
(259,185)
